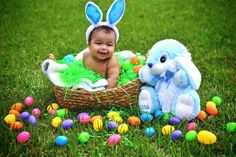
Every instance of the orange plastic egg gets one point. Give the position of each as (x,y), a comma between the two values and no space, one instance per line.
(134,121)
(17,107)
(137,68)
(135,60)
(16,125)
(95,117)
(201,115)
(212,110)
(16,113)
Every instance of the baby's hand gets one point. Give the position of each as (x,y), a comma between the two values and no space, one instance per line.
(111,83)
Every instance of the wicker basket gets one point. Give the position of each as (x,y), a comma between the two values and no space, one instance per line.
(125,96)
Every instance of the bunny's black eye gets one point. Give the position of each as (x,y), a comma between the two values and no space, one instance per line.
(163,59)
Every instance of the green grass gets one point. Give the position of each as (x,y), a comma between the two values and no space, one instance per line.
(30,30)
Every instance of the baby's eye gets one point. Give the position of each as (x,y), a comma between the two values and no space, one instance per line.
(98,43)
(109,44)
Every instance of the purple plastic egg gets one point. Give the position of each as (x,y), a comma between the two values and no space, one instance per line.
(67,124)
(111,125)
(24,115)
(83,118)
(32,120)
(36,112)
(177,134)
(191,126)
(114,139)
(175,120)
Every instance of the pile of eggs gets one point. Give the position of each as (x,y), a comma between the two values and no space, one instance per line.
(17,117)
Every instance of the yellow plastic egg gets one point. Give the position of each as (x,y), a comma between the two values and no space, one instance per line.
(49,108)
(56,122)
(118,119)
(167,130)
(113,114)
(210,104)
(55,106)
(97,124)
(11,118)
(123,128)
(206,137)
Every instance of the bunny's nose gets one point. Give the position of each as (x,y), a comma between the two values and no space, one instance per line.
(150,65)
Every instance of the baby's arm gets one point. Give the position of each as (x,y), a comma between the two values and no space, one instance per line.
(113,72)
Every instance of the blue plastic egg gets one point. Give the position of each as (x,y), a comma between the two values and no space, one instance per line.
(111,125)
(24,115)
(61,140)
(32,120)
(146,117)
(175,120)
(177,134)
(158,113)
(150,131)
(67,124)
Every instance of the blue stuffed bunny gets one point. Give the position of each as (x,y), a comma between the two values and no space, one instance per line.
(172,80)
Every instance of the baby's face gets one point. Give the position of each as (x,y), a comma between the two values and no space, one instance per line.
(102,45)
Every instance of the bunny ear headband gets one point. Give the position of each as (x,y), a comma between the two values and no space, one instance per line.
(114,15)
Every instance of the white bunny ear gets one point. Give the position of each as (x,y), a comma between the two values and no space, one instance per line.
(115,12)
(93,13)
(191,70)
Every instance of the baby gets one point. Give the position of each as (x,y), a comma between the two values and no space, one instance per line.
(102,38)
(100,57)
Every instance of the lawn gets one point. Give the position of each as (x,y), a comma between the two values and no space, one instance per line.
(30,30)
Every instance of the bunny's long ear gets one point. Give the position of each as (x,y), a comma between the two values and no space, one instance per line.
(191,70)
(115,12)
(93,13)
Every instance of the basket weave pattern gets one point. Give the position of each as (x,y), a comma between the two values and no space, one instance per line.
(125,96)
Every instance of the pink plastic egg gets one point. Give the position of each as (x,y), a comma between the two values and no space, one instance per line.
(52,112)
(83,118)
(23,136)
(36,112)
(114,139)
(191,126)
(29,101)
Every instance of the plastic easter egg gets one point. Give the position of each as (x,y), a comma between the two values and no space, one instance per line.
(146,117)
(177,134)
(113,114)
(52,112)
(32,120)
(17,107)
(210,104)
(96,117)
(191,135)
(134,121)
(84,137)
(16,125)
(29,101)
(61,140)
(206,137)
(217,100)
(97,125)
(83,118)
(123,128)
(16,113)
(56,122)
(118,120)
(135,60)
(23,136)
(55,106)
(137,68)
(10,118)
(150,131)
(165,117)
(175,120)
(61,113)
(113,139)
(201,115)
(212,110)
(111,125)
(158,113)
(67,124)
(36,112)
(191,126)
(24,115)
(231,127)
(167,129)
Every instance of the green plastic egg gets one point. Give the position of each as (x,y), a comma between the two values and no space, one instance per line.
(217,100)
(191,135)
(61,113)
(231,127)
(84,137)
